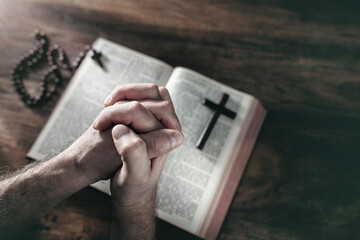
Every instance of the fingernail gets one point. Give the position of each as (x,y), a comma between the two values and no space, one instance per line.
(176,139)
(95,123)
(118,132)
(107,100)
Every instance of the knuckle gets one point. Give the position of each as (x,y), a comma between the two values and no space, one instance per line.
(167,105)
(153,87)
(136,106)
(164,91)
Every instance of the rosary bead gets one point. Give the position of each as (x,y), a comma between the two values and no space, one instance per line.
(35,32)
(28,102)
(22,91)
(18,62)
(17,83)
(31,51)
(41,51)
(52,91)
(17,89)
(34,60)
(29,63)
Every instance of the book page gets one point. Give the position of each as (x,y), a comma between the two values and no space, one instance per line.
(83,99)
(191,176)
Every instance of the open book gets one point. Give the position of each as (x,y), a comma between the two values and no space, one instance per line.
(196,187)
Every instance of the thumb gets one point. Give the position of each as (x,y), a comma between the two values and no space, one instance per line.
(132,150)
(162,141)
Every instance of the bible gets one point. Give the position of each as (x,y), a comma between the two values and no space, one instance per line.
(220,125)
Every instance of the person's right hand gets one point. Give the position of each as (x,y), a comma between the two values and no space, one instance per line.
(143,145)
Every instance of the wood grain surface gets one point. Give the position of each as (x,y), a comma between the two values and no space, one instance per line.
(300,58)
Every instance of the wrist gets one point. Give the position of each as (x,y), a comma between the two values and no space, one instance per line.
(134,220)
(79,155)
(95,156)
(144,204)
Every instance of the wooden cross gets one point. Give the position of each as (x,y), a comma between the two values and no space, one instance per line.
(96,56)
(219,109)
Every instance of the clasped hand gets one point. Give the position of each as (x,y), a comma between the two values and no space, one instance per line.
(129,141)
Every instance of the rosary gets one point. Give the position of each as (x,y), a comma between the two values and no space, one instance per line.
(52,78)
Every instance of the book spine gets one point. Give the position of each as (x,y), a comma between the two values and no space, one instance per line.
(235,175)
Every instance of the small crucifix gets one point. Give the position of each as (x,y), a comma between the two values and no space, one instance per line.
(219,109)
(96,56)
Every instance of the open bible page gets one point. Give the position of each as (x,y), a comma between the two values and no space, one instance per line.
(83,99)
(191,176)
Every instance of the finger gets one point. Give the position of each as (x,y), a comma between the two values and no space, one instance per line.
(157,165)
(162,141)
(164,94)
(163,112)
(132,114)
(135,91)
(173,120)
(132,150)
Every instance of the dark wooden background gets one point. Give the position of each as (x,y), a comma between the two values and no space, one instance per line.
(300,58)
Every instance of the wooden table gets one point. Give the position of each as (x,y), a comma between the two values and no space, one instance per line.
(301,59)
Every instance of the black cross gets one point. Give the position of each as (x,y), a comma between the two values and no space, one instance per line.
(97,57)
(219,109)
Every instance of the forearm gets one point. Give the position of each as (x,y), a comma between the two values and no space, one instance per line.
(32,191)
(134,221)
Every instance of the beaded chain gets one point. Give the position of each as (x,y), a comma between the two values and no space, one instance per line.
(52,78)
